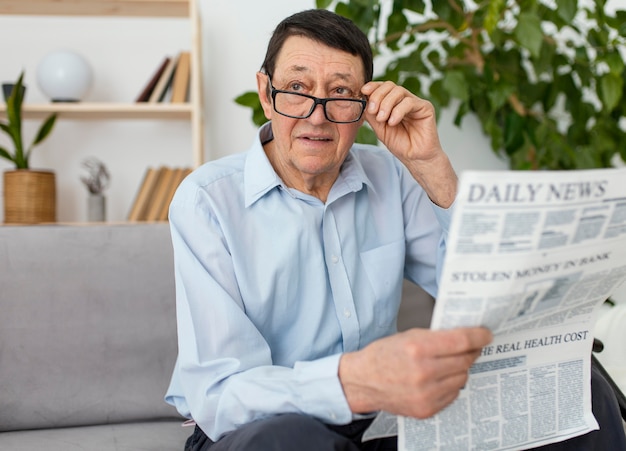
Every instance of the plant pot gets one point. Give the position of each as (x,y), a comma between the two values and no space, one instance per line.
(29,196)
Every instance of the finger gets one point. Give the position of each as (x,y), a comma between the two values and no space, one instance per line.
(460,340)
(376,92)
(438,396)
(448,342)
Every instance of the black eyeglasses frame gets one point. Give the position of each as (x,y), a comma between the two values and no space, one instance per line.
(316,101)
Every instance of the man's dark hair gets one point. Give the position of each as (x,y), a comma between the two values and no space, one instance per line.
(325,27)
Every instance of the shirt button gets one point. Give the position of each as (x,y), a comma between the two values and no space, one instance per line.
(347,313)
(334,259)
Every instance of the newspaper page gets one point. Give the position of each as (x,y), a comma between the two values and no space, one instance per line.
(532,257)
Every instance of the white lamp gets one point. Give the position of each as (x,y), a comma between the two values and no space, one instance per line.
(64,76)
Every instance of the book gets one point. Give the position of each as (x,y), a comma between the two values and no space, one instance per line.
(159,196)
(144,96)
(179,175)
(180,84)
(165,81)
(142,199)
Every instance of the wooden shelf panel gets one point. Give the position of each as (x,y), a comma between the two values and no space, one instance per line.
(141,8)
(106,110)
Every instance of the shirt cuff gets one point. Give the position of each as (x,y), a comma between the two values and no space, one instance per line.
(320,391)
(444,216)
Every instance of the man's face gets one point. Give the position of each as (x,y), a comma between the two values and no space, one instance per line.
(311,150)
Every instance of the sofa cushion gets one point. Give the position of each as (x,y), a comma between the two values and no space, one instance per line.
(156,436)
(87,324)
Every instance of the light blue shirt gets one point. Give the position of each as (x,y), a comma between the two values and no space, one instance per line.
(273,285)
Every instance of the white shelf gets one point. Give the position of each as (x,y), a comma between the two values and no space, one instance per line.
(140,8)
(102,111)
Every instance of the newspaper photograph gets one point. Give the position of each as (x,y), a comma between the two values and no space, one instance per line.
(531,256)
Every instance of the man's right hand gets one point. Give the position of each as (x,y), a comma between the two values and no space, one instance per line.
(415,373)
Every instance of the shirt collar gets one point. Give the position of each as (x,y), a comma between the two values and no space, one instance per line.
(260,177)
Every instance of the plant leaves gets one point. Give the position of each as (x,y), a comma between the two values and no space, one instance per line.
(567,9)
(322,4)
(454,82)
(45,129)
(494,13)
(610,90)
(365,135)
(5,154)
(528,33)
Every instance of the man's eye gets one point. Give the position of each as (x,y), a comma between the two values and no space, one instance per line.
(295,87)
(343,92)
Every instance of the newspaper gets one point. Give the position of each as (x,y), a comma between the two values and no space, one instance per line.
(531,256)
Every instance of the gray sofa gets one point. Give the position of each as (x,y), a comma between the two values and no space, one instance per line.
(88,338)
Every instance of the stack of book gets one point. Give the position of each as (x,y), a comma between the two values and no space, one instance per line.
(170,81)
(155,193)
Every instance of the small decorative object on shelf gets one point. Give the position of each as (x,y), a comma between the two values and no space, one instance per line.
(64,76)
(29,196)
(96,182)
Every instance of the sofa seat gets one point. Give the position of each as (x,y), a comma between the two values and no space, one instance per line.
(144,436)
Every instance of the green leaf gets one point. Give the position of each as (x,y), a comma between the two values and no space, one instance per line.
(249,99)
(446,12)
(499,94)
(610,90)
(528,33)
(461,111)
(493,15)
(454,82)
(5,154)
(513,132)
(413,85)
(365,135)
(45,129)
(414,5)
(567,9)
(439,95)
(322,4)
(615,62)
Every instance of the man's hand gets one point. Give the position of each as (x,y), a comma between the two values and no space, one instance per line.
(414,373)
(407,126)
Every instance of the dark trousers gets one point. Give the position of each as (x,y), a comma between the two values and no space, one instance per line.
(292,432)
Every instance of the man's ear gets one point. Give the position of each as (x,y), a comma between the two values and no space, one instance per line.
(262,81)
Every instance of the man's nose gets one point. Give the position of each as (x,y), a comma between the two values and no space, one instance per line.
(318,115)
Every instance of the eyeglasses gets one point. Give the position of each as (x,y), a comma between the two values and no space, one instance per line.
(301,106)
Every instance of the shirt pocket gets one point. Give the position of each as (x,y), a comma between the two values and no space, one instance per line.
(384,267)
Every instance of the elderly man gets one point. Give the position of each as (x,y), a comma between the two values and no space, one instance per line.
(290,259)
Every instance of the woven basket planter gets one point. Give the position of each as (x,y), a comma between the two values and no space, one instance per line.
(29,196)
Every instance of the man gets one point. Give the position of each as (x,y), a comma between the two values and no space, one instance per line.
(290,259)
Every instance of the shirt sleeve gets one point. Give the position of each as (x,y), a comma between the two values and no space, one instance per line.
(224,376)
(444,218)
(426,231)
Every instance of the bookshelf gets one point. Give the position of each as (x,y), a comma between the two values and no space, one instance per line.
(190,111)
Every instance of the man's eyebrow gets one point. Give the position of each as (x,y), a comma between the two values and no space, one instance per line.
(296,69)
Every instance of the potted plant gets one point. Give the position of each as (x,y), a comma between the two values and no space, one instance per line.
(29,195)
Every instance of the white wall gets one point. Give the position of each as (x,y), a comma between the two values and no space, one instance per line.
(123,53)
